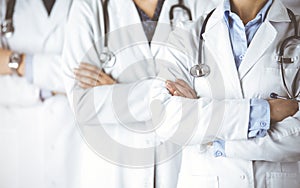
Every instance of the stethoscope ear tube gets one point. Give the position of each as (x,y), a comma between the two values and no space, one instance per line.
(282,60)
(7,28)
(201,69)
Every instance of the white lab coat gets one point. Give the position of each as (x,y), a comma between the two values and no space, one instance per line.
(222,110)
(98,105)
(38,139)
(293,5)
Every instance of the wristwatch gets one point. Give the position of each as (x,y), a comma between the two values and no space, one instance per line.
(14,61)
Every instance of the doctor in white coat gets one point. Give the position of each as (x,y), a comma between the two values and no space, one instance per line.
(38,139)
(221,150)
(113,166)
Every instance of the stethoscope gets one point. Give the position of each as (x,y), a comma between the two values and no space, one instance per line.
(107,57)
(203,70)
(7,27)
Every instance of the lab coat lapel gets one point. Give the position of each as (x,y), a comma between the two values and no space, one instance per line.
(163,27)
(59,11)
(217,42)
(262,41)
(130,29)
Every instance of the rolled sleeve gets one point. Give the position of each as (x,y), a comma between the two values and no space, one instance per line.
(219,148)
(259,122)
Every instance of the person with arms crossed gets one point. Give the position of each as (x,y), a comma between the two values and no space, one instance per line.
(39,142)
(240,136)
(94,88)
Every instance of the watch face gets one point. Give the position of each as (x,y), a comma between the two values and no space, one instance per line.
(13,65)
(14,60)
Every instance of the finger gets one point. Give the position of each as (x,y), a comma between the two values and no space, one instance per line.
(84,85)
(187,87)
(185,91)
(86,73)
(170,86)
(182,83)
(107,79)
(90,67)
(178,93)
(86,80)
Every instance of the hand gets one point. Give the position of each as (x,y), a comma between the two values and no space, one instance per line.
(281,109)
(89,76)
(4,59)
(181,88)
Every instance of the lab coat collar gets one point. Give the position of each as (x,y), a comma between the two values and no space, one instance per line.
(261,42)
(278,12)
(257,48)
(60,10)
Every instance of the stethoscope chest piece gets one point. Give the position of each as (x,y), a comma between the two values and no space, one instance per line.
(7,28)
(107,58)
(200,70)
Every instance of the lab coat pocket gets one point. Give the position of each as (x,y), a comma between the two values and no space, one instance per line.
(282,180)
(271,81)
(197,181)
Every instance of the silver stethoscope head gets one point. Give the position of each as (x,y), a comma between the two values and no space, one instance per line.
(107,58)
(7,28)
(200,70)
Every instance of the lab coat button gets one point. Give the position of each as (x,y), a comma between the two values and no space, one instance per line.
(241,57)
(218,153)
(242,177)
(263,124)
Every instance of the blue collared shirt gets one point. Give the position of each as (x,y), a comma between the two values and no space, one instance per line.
(241,36)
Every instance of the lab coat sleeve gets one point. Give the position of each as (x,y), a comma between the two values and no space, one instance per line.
(83,44)
(193,121)
(280,145)
(47,75)
(18,91)
(47,72)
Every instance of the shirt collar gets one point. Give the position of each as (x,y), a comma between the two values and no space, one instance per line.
(262,14)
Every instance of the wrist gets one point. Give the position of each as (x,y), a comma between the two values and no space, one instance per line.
(16,63)
(21,69)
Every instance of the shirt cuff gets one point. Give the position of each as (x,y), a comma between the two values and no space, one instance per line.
(219,148)
(29,68)
(259,122)
(45,94)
